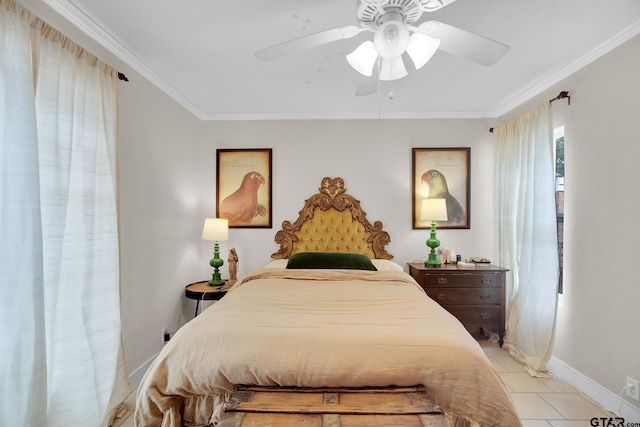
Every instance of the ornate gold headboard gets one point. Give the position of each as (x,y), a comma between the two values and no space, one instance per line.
(332,221)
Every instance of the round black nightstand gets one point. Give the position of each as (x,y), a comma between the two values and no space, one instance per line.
(202,291)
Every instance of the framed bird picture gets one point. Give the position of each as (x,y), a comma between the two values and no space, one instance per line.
(243,187)
(442,173)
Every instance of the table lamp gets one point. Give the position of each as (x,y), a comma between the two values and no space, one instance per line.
(433,210)
(216,229)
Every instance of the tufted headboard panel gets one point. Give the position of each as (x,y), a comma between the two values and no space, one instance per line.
(333,231)
(332,221)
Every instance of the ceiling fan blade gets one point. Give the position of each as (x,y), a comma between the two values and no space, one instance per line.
(367,86)
(307,42)
(468,45)
(370,84)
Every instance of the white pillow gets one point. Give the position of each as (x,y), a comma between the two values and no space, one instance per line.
(385,264)
(277,263)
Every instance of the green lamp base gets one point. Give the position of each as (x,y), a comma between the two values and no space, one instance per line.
(216,262)
(216,281)
(433,243)
(432,261)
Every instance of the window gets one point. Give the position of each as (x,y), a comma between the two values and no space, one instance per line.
(559,144)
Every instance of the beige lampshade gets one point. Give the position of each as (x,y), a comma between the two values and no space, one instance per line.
(215,229)
(433,210)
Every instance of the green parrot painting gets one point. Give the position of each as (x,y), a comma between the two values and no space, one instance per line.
(438,189)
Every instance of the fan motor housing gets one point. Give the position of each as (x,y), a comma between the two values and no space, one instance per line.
(370,16)
(370,12)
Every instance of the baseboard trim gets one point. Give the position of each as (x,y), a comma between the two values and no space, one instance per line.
(136,376)
(602,396)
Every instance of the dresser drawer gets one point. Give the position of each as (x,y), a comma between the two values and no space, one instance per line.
(466,296)
(463,280)
(473,316)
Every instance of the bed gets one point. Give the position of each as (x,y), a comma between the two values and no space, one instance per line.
(331,310)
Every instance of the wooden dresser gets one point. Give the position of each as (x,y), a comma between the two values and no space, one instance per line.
(476,296)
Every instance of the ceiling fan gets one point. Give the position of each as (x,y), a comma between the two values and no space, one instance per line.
(395,33)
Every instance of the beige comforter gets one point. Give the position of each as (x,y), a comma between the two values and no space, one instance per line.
(317,328)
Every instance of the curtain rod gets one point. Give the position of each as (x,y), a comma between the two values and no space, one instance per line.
(561,95)
(122,77)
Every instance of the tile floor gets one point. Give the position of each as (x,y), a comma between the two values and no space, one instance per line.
(540,402)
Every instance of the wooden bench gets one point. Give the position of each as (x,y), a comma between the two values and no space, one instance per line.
(331,407)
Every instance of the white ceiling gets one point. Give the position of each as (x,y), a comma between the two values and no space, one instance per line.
(201,52)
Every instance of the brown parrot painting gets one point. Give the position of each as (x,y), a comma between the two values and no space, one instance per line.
(438,189)
(241,206)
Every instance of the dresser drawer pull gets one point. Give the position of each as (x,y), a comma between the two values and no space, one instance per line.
(442,280)
(486,281)
(485,315)
(442,297)
(485,296)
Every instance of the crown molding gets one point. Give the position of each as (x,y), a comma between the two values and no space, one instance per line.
(89,27)
(373,115)
(546,82)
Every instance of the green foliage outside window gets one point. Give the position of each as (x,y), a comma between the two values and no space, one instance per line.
(560,156)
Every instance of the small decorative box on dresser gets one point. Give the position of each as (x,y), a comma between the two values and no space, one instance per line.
(476,296)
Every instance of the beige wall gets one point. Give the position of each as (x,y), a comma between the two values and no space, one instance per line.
(598,330)
(159,205)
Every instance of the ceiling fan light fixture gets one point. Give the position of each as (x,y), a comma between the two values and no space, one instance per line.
(363,58)
(391,39)
(421,48)
(392,69)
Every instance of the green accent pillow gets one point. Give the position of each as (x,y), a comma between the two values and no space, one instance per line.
(325,260)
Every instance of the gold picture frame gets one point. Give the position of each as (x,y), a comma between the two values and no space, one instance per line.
(243,187)
(442,173)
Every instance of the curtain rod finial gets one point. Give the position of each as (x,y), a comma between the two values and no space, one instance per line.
(562,95)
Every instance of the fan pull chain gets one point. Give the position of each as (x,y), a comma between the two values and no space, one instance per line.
(379,66)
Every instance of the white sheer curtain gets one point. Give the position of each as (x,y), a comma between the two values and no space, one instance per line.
(526,234)
(60,358)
